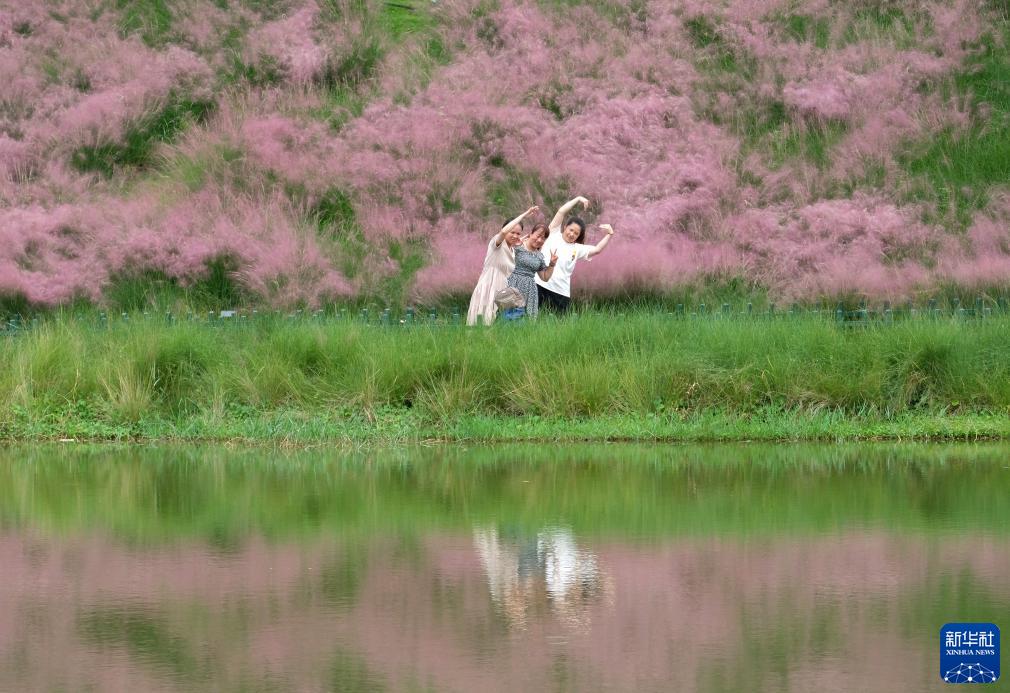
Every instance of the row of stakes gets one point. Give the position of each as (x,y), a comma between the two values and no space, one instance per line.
(861,315)
(225,317)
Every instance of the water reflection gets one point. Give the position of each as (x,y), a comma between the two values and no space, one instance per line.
(601,569)
(524,572)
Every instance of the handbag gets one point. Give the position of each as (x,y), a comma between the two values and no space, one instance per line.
(509,297)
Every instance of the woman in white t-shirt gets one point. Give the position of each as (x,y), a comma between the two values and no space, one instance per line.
(567,241)
(498,265)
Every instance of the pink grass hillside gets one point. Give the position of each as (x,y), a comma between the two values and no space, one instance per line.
(335,149)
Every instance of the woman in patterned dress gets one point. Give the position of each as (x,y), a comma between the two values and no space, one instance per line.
(529,261)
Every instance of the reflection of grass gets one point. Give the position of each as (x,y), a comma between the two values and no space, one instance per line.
(961,593)
(776,635)
(341,577)
(145,636)
(159,494)
(350,673)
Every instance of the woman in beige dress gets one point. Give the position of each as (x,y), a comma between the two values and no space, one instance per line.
(498,265)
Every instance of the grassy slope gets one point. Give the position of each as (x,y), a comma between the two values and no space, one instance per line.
(957,172)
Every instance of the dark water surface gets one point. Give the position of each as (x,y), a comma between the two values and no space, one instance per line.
(579,568)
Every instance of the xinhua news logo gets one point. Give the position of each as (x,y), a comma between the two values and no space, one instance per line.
(969,653)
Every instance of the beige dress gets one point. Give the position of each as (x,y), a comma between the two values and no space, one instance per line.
(498,265)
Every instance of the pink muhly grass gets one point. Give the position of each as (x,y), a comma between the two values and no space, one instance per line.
(204,24)
(636,262)
(104,115)
(289,41)
(16,163)
(650,165)
(832,247)
(825,101)
(459,276)
(53,255)
(956,26)
(277,255)
(563,100)
(987,261)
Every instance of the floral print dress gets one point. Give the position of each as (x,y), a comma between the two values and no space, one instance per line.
(528,263)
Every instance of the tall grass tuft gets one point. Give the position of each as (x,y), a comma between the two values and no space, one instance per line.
(152,19)
(127,394)
(49,366)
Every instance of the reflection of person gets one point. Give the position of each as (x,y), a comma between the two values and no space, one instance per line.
(568,241)
(551,568)
(529,262)
(498,265)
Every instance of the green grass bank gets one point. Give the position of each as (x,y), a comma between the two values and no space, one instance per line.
(596,376)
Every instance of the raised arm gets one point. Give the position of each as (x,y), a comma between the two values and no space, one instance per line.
(564,209)
(598,248)
(512,224)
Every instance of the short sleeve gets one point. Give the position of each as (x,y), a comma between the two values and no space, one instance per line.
(543,261)
(493,249)
(582,251)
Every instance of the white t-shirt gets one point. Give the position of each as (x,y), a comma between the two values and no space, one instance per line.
(568,255)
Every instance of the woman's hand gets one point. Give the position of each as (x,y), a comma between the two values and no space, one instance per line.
(602,243)
(565,209)
(531,210)
(547,272)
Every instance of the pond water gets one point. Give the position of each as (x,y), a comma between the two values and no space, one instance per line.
(576,568)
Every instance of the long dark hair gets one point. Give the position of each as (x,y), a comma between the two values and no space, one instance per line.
(582,228)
